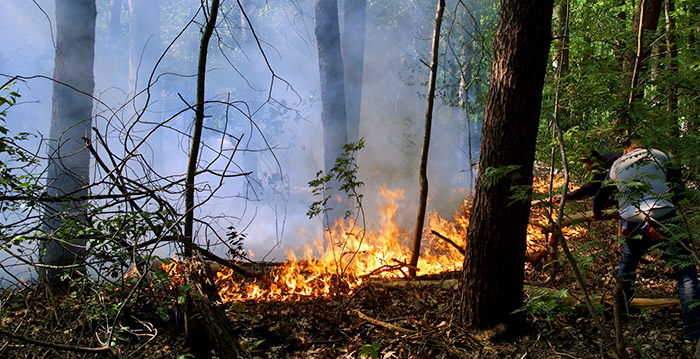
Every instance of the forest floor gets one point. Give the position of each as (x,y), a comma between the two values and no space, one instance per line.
(383,319)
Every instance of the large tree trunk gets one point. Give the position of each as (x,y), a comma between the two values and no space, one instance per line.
(68,170)
(333,111)
(330,63)
(492,284)
(353,58)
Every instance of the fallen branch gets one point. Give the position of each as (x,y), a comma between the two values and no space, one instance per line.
(232,265)
(384,324)
(571,298)
(444,238)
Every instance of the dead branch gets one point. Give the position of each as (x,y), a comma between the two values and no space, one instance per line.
(105,349)
(572,298)
(444,238)
(432,339)
(384,324)
(232,265)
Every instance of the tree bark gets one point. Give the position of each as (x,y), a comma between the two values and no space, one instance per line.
(423,172)
(492,283)
(645,20)
(211,327)
(330,63)
(353,58)
(194,339)
(68,171)
(333,111)
(671,61)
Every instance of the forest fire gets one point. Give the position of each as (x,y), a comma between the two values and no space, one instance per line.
(354,256)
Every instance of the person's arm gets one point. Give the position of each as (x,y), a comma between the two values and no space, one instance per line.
(601,198)
(674,179)
(587,190)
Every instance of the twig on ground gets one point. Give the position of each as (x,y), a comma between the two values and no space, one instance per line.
(105,349)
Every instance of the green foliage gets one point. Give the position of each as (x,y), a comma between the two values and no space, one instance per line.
(491,176)
(14,180)
(344,175)
(369,351)
(254,345)
(546,303)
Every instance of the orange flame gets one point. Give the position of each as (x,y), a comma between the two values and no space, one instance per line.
(355,254)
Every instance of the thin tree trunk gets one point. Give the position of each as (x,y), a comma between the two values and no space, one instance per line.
(353,59)
(646,19)
(195,340)
(672,62)
(114,16)
(423,199)
(144,40)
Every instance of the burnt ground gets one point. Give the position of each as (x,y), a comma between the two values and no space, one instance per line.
(397,319)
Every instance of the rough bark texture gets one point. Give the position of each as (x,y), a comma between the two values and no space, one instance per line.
(494,263)
(210,326)
(353,58)
(68,170)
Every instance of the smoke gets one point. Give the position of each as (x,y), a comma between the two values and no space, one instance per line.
(264,105)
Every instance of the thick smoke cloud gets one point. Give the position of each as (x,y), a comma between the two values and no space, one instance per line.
(279,110)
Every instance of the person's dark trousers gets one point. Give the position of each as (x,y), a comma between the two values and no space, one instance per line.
(676,254)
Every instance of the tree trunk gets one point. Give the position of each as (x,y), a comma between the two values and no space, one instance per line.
(114,16)
(561,55)
(68,171)
(144,41)
(672,62)
(644,25)
(210,326)
(353,58)
(423,199)
(333,111)
(192,326)
(492,283)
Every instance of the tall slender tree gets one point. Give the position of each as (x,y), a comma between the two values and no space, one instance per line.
(68,171)
(353,47)
(144,40)
(423,172)
(492,284)
(644,23)
(333,110)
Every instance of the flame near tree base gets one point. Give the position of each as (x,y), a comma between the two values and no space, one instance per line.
(356,254)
